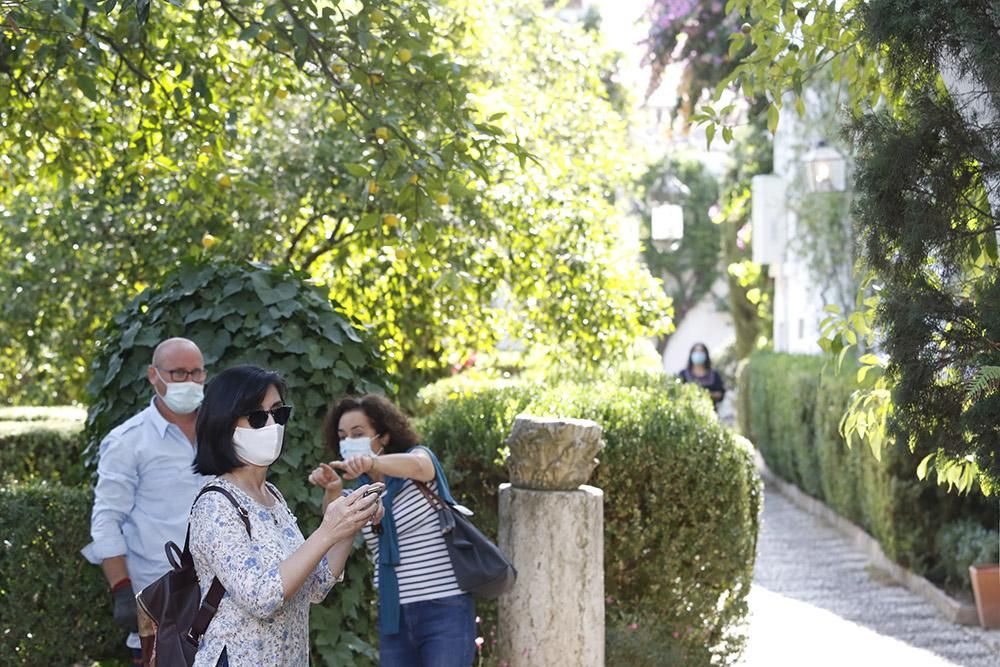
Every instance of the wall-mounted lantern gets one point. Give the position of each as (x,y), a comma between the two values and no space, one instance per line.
(826,169)
(666,214)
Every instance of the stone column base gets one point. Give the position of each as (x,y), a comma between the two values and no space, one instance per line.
(554,616)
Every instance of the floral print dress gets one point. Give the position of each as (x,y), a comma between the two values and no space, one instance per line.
(253,624)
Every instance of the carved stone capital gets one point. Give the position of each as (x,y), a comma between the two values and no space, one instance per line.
(552,453)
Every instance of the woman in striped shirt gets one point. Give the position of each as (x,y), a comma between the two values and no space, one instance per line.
(425,619)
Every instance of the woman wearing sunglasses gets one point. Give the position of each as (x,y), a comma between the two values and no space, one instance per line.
(425,619)
(272,574)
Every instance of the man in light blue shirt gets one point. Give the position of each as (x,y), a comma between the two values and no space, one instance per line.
(145,482)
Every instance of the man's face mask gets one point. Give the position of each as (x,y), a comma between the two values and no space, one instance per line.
(182,397)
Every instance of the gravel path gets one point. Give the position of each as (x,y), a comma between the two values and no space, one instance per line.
(816,601)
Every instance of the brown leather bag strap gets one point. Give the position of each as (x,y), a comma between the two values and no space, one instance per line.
(216,591)
(434,499)
(207,609)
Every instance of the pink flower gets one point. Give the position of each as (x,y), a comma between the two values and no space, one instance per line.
(633,626)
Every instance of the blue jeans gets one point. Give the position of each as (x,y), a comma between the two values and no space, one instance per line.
(435,633)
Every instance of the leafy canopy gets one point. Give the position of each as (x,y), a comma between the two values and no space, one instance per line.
(359,141)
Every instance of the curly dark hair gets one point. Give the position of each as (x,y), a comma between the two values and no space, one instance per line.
(384,416)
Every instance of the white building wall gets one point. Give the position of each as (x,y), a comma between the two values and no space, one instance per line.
(798,298)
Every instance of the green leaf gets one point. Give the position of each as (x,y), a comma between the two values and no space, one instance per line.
(357,170)
(87,86)
(772,118)
(922,467)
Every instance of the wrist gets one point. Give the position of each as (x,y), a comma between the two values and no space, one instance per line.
(120,584)
(374,460)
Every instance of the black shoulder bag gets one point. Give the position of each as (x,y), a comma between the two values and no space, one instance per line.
(481,568)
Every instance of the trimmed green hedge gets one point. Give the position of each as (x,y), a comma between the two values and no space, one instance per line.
(47,444)
(791,406)
(681,503)
(54,606)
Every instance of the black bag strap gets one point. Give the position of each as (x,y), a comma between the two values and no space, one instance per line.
(239,508)
(215,592)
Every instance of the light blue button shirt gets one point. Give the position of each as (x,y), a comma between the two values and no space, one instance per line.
(143,498)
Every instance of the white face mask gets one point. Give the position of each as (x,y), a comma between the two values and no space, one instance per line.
(182,397)
(351,447)
(258,446)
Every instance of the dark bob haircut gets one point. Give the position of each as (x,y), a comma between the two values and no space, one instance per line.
(708,357)
(233,393)
(384,416)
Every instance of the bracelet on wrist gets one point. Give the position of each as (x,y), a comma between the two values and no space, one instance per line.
(122,583)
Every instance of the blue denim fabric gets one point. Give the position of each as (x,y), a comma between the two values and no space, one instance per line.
(435,633)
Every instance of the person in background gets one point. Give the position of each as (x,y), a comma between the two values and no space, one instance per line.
(425,619)
(145,484)
(699,370)
(271,573)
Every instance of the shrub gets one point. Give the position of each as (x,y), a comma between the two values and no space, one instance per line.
(793,411)
(681,497)
(781,394)
(54,606)
(272,317)
(42,449)
(642,646)
(963,543)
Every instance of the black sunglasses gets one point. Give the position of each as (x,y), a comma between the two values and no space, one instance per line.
(258,418)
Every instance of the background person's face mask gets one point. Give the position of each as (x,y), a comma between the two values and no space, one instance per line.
(698,357)
(258,446)
(351,447)
(182,397)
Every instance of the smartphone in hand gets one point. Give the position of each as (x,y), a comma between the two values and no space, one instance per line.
(377,488)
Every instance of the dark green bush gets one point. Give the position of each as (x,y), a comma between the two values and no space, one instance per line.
(46,449)
(272,317)
(781,392)
(54,606)
(963,543)
(793,408)
(642,646)
(681,497)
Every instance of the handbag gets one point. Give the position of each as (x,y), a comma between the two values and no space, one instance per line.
(174,600)
(481,567)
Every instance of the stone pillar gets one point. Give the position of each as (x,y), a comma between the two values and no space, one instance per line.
(551,525)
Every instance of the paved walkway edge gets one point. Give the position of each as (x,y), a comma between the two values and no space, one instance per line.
(951,609)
